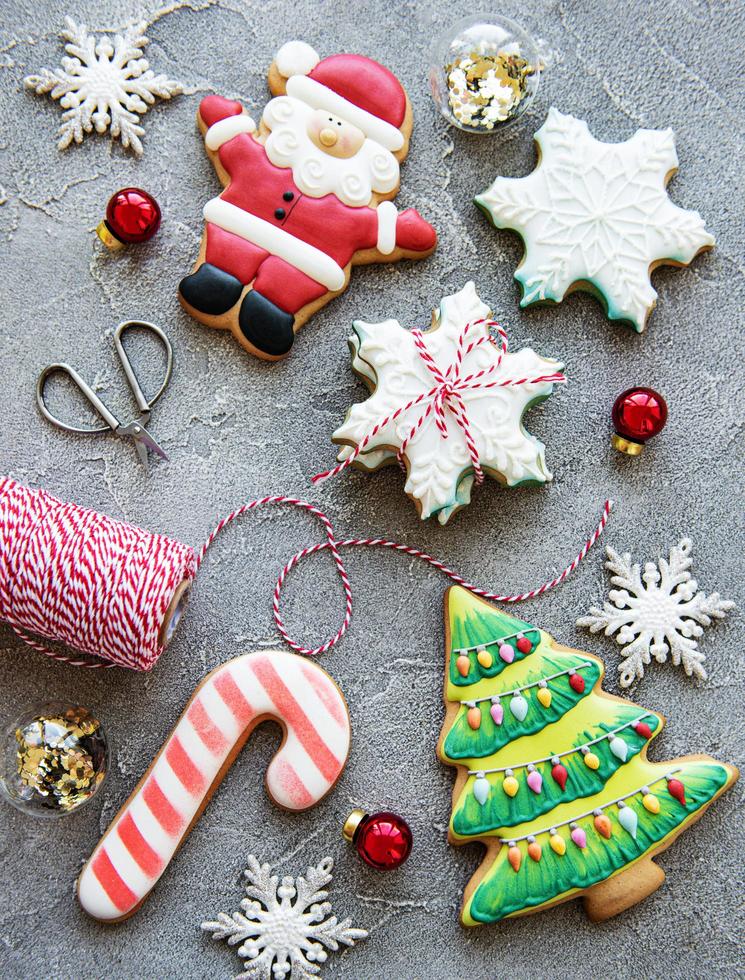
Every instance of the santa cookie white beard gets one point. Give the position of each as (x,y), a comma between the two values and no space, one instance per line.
(354,180)
(305,197)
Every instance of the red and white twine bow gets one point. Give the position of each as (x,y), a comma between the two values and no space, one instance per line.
(447,394)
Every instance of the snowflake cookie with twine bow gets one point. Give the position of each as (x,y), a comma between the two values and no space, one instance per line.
(596,216)
(656,613)
(283,928)
(104,85)
(446,403)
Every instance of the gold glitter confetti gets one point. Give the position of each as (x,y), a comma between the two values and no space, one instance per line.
(61,757)
(485,87)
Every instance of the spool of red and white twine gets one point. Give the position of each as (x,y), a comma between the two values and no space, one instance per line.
(115,592)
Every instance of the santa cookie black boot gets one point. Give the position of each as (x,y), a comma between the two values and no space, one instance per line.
(210,290)
(265,326)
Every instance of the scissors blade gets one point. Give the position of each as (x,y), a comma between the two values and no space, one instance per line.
(142,452)
(143,440)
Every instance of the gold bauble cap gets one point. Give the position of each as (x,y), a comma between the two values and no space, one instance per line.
(627,446)
(108,237)
(351,824)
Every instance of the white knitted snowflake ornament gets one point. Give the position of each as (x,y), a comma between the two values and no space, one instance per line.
(283,927)
(656,613)
(104,85)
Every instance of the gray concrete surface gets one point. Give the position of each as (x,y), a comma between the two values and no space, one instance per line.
(236,428)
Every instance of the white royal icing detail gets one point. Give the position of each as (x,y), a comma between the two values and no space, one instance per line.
(225,129)
(596,212)
(334,737)
(313,780)
(130,872)
(353,180)
(92,895)
(221,715)
(305,760)
(319,97)
(197,751)
(159,839)
(439,470)
(299,254)
(387,215)
(174,790)
(295,58)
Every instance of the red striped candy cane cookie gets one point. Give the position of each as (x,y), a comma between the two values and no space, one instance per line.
(223,711)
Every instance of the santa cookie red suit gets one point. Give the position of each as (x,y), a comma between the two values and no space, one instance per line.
(306,196)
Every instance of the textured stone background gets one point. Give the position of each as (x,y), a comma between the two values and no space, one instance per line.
(236,428)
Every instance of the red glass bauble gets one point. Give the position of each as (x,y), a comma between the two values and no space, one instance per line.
(132,216)
(638,414)
(383,840)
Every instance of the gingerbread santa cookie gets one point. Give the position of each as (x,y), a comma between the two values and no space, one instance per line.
(307,195)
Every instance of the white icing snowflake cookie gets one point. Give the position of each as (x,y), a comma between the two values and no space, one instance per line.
(596,216)
(105,85)
(447,403)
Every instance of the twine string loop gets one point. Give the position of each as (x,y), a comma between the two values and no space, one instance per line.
(102,587)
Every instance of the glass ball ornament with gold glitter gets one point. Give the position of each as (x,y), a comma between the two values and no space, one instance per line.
(484,73)
(54,759)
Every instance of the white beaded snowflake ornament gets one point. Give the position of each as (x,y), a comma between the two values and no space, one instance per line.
(447,403)
(596,216)
(282,928)
(656,613)
(105,85)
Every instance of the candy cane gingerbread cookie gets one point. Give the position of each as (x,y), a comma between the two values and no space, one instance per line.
(223,711)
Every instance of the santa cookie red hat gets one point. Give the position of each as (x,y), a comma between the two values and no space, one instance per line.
(355,88)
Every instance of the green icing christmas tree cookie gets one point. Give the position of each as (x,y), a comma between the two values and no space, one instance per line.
(553,775)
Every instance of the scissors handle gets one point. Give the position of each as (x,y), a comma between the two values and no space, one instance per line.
(88,393)
(143,403)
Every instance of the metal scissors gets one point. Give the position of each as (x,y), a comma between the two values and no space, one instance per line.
(135,429)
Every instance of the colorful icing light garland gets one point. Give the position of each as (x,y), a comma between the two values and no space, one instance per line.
(485,658)
(627,817)
(618,747)
(447,395)
(518,704)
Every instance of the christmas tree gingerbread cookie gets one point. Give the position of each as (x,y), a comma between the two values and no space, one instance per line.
(553,775)
(307,195)
(596,216)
